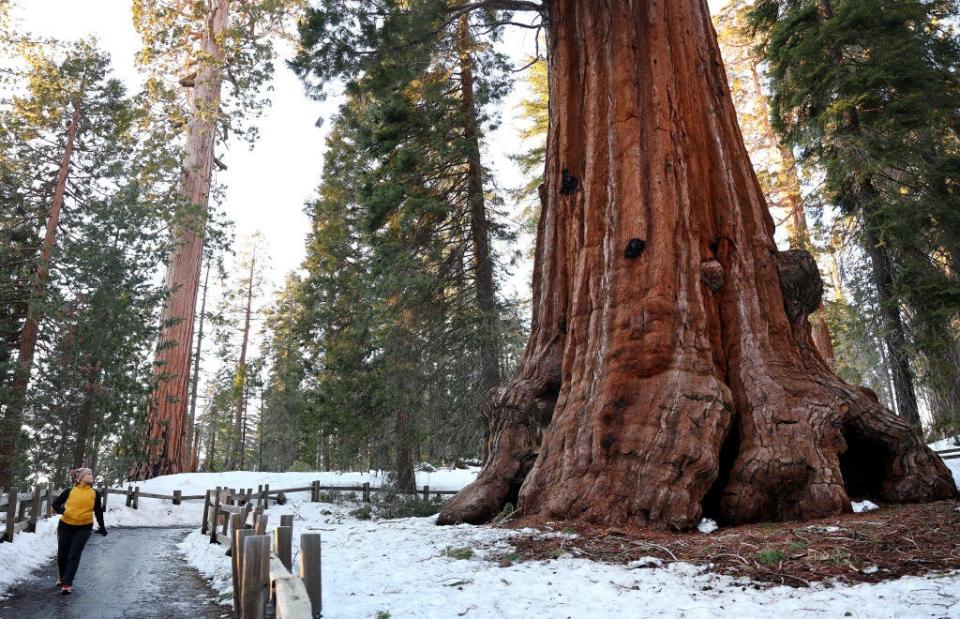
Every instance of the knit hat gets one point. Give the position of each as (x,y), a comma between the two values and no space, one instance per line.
(79,473)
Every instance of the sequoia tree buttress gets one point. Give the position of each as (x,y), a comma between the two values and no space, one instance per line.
(670,367)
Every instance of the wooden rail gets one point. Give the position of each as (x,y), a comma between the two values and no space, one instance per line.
(23,509)
(262,576)
(949,454)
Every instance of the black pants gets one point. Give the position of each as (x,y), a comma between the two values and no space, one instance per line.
(70,542)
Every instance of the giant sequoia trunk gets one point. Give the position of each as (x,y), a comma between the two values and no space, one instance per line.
(168,406)
(670,366)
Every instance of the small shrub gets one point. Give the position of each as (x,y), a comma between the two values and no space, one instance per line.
(364,512)
(383,614)
(300,466)
(458,553)
(505,513)
(768,556)
(797,546)
(408,506)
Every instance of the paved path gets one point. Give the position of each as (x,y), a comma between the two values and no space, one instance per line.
(131,573)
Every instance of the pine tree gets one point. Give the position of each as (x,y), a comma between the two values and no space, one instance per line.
(868,90)
(71,151)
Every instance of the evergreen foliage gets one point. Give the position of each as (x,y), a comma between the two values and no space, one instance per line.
(868,92)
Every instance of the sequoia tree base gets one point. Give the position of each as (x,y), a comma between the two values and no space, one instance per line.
(671,371)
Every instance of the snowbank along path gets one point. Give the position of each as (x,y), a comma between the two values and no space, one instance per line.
(136,572)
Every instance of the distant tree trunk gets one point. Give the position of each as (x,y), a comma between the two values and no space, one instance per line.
(211,447)
(479,228)
(13,415)
(894,333)
(667,328)
(798,232)
(88,409)
(406,477)
(239,386)
(190,460)
(168,406)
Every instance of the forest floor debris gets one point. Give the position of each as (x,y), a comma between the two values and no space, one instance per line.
(867,547)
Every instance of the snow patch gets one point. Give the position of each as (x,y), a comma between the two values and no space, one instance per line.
(28,552)
(707,525)
(864,506)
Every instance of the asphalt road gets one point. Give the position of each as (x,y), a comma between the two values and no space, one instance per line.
(131,573)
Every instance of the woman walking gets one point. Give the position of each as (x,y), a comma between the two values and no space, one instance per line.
(77,507)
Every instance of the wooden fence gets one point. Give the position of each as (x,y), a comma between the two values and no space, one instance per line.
(220,503)
(24,509)
(949,454)
(262,567)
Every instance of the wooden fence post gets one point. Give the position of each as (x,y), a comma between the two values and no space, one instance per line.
(281,498)
(283,545)
(22,511)
(286,520)
(129,495)
(315,491)
(256,575)
(266,496)
(259,495)
(176,496)
(310,570)
(366,492)
(214,516)
(426,493)
(136,498)
(206,512)
(236,561)
(34,509)
(260,523)
(104,491)
(12,497)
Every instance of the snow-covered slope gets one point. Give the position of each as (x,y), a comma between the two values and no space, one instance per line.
(402,566)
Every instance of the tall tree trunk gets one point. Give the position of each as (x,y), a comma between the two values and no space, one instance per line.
(168,405)
(13,415)
(894,332)
(670,328)
(479,230)
(190,460)
(236,451)
(88,409)
(406,477)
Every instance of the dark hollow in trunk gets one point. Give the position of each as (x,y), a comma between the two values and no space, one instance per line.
(642,361)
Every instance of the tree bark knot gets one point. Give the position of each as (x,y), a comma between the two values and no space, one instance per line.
(711,272)
(800,283)
(634,248)
(568,183)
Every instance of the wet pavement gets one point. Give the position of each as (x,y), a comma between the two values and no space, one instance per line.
(131,573)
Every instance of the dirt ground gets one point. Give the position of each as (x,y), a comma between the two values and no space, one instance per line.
(893,541)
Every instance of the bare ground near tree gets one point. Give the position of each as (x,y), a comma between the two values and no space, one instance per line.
(894,541)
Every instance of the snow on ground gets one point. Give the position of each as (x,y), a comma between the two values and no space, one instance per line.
(402,567)
(27,552)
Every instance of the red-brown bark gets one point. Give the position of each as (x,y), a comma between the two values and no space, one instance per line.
(13,415)
(680,384)
(168,405)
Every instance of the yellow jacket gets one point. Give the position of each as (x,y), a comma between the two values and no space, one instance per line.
(79,505)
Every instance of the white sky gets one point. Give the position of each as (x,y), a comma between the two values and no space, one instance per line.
(266,187)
